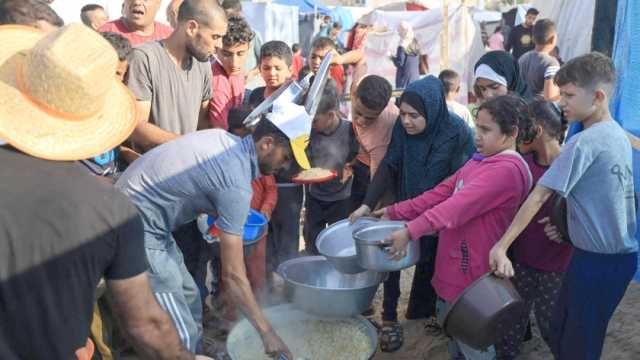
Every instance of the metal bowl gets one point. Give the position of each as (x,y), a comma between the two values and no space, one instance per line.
(336,243)
(478,316)
(315,286)
(373,254)
(243,335)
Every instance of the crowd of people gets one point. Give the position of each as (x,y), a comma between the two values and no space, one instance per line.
(105,178)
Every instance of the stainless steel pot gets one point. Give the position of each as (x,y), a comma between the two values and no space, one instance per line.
(315,286)
(373,253)
(336,243)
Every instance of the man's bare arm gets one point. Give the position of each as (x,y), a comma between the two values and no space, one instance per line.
(528,210)
(239,290)
(147,135)
(149,327)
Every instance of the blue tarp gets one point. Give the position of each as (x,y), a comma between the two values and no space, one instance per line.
(625,106)
(305,6)
(345,18)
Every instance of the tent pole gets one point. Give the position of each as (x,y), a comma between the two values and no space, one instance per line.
(444,38)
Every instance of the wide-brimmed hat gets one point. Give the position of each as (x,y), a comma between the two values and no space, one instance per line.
(59,96)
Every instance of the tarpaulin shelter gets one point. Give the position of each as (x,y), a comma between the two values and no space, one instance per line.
(464,46)
(305,6)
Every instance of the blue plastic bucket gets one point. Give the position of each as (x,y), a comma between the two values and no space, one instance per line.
(253,227)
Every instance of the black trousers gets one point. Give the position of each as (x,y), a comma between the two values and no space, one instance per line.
(361,180)
(422,300)
(318,215)
(284,228)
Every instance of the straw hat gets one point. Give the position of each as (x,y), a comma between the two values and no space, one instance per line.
(59,96)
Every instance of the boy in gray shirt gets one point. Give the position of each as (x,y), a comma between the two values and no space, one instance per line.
(332,145)
(537,66)
(593,172)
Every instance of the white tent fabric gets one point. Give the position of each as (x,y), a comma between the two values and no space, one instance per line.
(273,21)
(465,44)
(574,21)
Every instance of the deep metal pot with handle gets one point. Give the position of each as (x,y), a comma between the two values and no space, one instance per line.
(336,243)
(373,253)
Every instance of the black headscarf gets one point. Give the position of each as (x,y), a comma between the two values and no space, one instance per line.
(505,65)
(409,154)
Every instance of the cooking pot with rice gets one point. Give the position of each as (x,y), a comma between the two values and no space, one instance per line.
(307,336)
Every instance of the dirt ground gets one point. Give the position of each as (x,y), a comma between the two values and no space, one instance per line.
(623,336)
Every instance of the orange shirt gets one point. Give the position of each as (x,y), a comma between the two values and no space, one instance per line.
(374,139)
(265,194)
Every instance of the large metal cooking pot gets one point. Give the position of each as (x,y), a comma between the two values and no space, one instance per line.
(336,243)
(373,253)
(479,315)
(315,286)
(243,335)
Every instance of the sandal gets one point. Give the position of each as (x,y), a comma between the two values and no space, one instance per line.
(391,337)
(432,326)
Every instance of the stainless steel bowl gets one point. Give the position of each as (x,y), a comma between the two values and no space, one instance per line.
(243,334)
(315,286)
(374,255)
(336,243)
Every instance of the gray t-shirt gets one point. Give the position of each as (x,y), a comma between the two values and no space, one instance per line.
(333,152)
(537,67)
(202,172)
(594,173)
(176,95)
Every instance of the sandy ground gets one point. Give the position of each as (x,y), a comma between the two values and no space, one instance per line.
(623,336)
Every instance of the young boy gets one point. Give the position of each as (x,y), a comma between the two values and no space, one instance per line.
(275,69)
(106,165)
(284,228)
(451,83)
(227,78)
(593,172)
(298,61)
(332,145)
(319,49)
(537,66)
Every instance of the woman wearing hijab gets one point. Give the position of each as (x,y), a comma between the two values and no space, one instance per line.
(497,73)
(427,145)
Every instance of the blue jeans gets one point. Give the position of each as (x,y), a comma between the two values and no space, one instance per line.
(457,349)
(593,287)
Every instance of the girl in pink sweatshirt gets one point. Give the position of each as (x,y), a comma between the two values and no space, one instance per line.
(472,208)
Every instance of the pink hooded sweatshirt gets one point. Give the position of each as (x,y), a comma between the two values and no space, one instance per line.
(471,210)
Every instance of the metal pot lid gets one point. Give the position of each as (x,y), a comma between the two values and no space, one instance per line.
(289,92)
(375,234)
(342,228)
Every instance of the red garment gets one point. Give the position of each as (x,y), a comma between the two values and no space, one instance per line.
(533,248)
(160,32)
(358,39)
(337,74)
(470,210)
(228,93)
(297,63)
(265,197)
